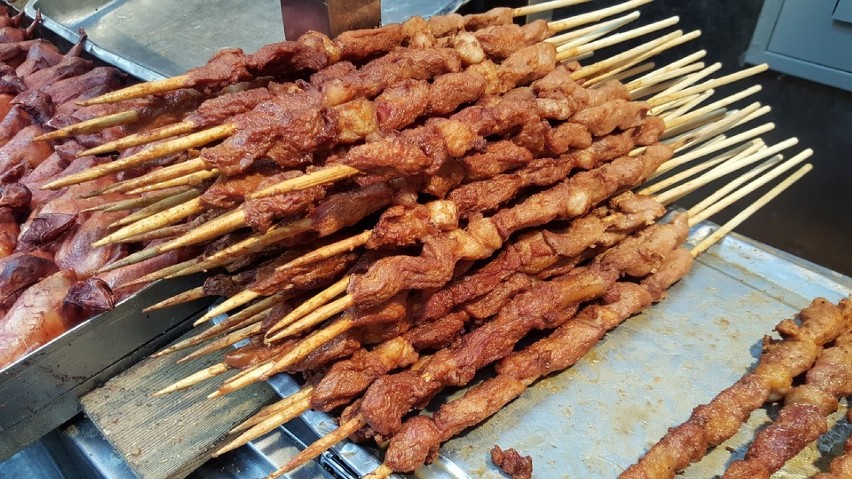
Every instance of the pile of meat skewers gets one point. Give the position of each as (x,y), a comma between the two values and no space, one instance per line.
(463,180)
(50,278)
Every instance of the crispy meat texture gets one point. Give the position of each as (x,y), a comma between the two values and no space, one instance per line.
(261,212)
(316,275)
(512,463)
(420,437)
(713,423)
(340,210)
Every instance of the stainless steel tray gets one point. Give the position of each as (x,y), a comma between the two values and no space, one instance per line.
(153,39)
(41,391)
(600,416)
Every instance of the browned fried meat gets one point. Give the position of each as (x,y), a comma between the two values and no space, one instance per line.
(512,463)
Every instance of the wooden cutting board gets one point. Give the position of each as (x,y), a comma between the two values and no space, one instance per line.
(169,437)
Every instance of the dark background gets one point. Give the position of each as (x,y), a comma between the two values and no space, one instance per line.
(813,219)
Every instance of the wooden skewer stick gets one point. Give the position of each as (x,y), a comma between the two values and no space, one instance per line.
(153,152)
(627,59)
(155,221)
(93,125)
(689,80)
(671,126)
(546,7)
(235,301)
(157,176)
(140,202)
(323,444)
(140,90)
(157,207)
(214,228)
(715,83)
(639,87)
(707,135)
(309,306)
(185,297)
(282,405)
(234,322)
(623,76)
(314,318)
(286,409)
(298,353)
(720,171)
(191,179)
(329,250)
(687,60)
(567,53)
(686,107)
(699,152)
(223,342)
(160,233)
(747,212)
(733,185)
(325,175)
(596,16)
(381,472)
(753,186)
(200,376)
(141,138)
(584,34)
(163,273)
(252,244)
(733,155)
(577,38)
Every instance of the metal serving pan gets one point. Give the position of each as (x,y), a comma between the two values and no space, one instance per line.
(153,39)
(41,391)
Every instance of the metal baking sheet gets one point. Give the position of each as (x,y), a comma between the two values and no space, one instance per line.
(41,390)
(154,39)
(597,418)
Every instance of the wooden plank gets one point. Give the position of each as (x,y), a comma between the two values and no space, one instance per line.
(171,436)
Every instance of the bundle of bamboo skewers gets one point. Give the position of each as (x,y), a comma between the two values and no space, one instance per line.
(439,146)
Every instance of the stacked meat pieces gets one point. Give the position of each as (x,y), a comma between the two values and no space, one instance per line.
(48,271)
(489,190)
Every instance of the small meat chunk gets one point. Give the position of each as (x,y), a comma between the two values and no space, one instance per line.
(512,463)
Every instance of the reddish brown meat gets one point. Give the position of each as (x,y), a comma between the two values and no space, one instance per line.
(68,67)
(46,231)
(420,437)
(23,150)
(117,278)
(35,318)
(86,299)
(76,252)
(9,231)
(40,56)
(512,463)
(346,209)
(18,272)
(74,86)
(16,120)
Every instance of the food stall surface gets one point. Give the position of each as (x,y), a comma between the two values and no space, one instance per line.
(645,376)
